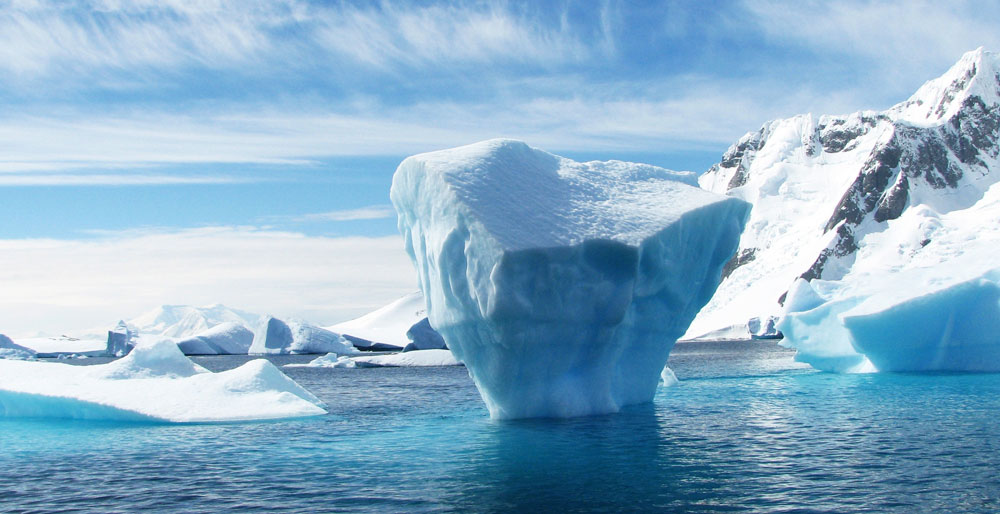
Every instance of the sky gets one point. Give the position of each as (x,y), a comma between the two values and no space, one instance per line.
(241,152)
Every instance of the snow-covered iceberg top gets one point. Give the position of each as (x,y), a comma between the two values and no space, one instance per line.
(275,336)
(941,318)
(561,285)
(155,382)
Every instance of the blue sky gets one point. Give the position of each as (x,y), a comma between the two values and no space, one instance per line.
(212,133)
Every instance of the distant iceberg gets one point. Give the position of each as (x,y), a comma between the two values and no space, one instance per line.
(13,351)
(155,382)
(561,285)
(416,358)
(227,338)
(275,336)
(398,325)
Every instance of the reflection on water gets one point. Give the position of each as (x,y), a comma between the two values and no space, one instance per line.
(746,429)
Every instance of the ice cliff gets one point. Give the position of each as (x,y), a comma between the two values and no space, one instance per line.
(561,285)
(857,196)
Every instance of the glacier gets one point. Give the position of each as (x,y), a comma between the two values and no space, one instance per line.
(154,383)
(275,336)
(561,285)
(839,197)
(415,358)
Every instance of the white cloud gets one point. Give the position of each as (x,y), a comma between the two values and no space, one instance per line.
(903,41)
(48,37)
(115,179)
(373,212)
(59,285)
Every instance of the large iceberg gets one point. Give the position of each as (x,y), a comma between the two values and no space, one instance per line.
(275,336)
(155,382)
(945,318)
(561,285)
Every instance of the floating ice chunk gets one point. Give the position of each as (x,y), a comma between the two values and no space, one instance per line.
(561,285)
(160,358)
(13,351)
(228,338)
(274,336)
(416,358)
(944,318)
(668,377)
(153,383)
(330,360)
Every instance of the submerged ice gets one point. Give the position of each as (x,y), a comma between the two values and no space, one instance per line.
(561,285)
(154,382)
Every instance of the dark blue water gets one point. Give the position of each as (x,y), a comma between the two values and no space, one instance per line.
(746,429)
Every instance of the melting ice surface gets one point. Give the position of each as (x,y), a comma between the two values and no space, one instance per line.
(943,318)
(155,382)
(561,285)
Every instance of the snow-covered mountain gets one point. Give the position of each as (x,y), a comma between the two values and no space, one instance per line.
(837,197)
(185,320)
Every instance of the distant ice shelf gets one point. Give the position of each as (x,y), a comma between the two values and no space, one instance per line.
(155,382)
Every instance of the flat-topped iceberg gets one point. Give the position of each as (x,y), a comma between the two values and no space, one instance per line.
(561,285)
(155,382)
(275,336)
(944,318)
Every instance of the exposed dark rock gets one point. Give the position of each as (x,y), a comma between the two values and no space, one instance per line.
(740,258)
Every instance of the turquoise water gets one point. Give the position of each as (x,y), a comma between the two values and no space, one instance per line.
(746,429)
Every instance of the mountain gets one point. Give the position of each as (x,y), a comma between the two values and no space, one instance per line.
(185,320)
(870,191)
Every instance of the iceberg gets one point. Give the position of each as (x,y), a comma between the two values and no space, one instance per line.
(11,350)
(416,358)
(274,336)
(561,285)
(392,327)
(943,318)
(155,382)
(228,338)
(423,337)
(120,340)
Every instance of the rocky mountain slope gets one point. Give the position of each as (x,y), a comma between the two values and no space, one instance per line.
(869,191)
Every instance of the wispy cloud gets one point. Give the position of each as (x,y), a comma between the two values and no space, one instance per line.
(906,41)
(117,179)
(373,212)
(44,37)
(59,285)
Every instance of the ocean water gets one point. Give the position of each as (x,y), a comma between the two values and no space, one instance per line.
(747,429)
